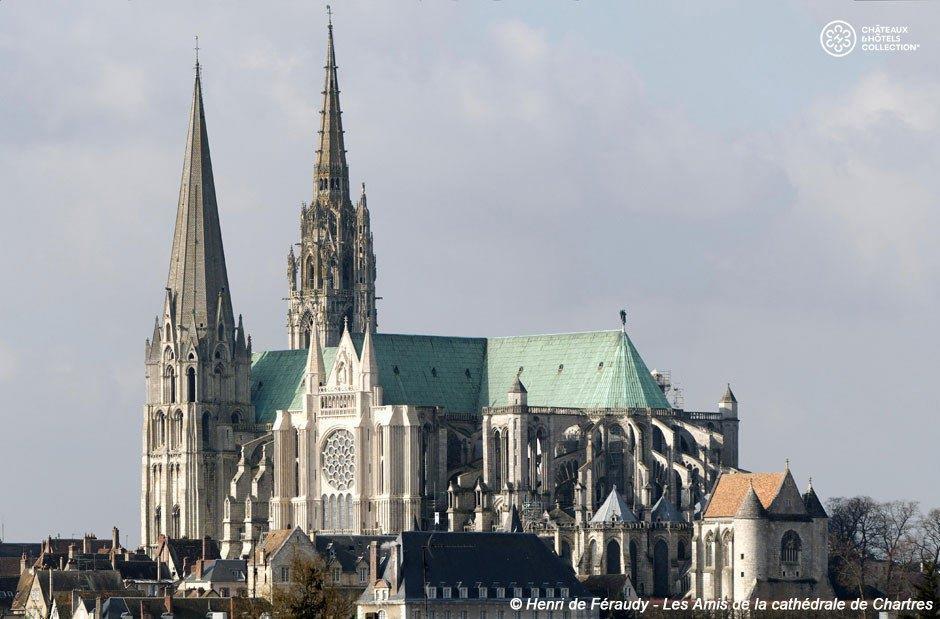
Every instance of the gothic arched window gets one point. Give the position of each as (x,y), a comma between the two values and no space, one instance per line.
(177,431)
(159,429)
(380,460)
(790,547)
(297,463)
(206,430)
(709,550)
(175,532)
(191,385)
(169,385)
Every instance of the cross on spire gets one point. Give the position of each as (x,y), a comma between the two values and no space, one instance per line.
(329,15)
(197,54)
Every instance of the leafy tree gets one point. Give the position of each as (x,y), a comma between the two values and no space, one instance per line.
(311,594)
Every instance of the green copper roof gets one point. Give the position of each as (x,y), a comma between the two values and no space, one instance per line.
(597,369)
(600,369)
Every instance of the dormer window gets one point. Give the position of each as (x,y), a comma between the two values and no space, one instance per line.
(431,592)
(517,592)
(463,593)
(564,592)
(500,592)
(550,592)
(446,591)
(482,592)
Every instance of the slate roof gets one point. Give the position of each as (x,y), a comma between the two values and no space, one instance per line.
(16,550)
(221,570)
(613,509)
(493,559)
(85,580)
(183,608)
(599,369)
(7,590)
(181,549)
(814,506)
(348,550)
(665,511)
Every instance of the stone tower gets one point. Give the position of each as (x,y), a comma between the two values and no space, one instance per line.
(198,364)
(332,280)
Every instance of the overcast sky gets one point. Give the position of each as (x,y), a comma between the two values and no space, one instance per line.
(767,213)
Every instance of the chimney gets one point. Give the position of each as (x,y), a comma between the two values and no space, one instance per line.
(72,550)
(24,562)
(142,615)
(115,538)
(199,563)
(393,568)
(61,563)
(51,590)
(373,561)
(86,544)
(168,601)
(97,607)
(205,547)
(185,567)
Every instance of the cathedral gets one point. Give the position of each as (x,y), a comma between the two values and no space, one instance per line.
(354,431)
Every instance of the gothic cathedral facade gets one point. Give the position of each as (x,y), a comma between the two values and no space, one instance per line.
(353,431)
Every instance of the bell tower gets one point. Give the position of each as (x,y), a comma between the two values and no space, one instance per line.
(332,279)
(198,364)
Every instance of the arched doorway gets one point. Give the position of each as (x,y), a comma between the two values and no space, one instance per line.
(613,558)
(660,569)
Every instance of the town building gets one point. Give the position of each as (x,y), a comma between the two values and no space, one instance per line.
(760,538)
(427,574)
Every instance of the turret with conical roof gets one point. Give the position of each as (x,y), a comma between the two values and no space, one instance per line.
(751,507)
(517,395)
(728,405)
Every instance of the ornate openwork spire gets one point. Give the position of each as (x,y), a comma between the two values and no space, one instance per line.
(331,175)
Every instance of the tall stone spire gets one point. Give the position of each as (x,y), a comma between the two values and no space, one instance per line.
(331,175)
(199,373)
(197,281)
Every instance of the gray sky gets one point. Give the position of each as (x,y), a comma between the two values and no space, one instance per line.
(766,212)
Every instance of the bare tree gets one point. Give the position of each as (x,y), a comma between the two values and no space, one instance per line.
(311,594)
(928,546)
(896,545)
(854,528)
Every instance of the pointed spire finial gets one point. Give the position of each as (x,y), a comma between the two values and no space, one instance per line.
(329,16)
(623,319)
(788,463)
(810,483)
(197,55)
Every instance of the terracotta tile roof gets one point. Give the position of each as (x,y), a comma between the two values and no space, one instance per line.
(274,539)
(733,487)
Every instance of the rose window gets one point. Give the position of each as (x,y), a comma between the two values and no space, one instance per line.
(339,459)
